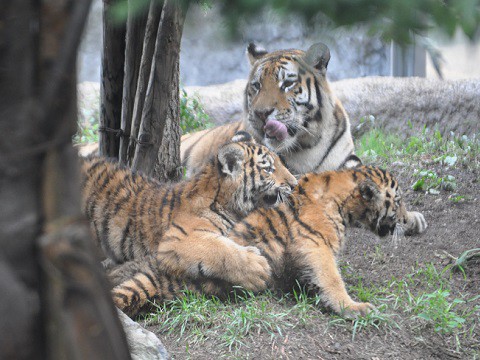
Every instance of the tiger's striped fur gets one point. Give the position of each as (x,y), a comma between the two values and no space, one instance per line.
(289,89)
(185,224)
(300,239)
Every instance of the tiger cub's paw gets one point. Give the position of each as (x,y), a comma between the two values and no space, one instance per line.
(356,309)
(416,223)
(250,270)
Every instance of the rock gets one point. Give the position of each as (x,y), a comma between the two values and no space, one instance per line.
(223,102)
(452,105)
(143,344)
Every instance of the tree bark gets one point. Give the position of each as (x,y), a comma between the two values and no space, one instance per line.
(154,14)
(113,60)
(20,220)
(133,53)
(160,114)
(61,308)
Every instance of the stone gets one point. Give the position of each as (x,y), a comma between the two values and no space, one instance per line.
(143,344)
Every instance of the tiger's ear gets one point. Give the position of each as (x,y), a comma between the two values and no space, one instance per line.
(368,189)
(318,56)
(255,52)
(230,158)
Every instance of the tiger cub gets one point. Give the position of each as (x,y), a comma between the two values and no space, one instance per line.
(300,239)
(290,108)
(185,224)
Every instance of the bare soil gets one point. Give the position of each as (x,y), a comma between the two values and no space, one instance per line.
(453,227)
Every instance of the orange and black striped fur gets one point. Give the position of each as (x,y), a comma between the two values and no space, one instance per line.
(289,89)
(184,225)
(300,239)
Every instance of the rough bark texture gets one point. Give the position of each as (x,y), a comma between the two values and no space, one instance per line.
(133,53)
(19,184)
(113,60)
(53,306)
(154,14)
(161,108)
(82,322)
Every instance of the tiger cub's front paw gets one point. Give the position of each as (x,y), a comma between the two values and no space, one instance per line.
(356,309)
(250,270)
(416,223)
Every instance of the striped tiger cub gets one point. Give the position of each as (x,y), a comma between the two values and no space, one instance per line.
(290,108)
(300,239)
(185,224)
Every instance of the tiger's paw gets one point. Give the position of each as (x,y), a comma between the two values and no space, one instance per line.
(416,223)
(356,309)
(250,270)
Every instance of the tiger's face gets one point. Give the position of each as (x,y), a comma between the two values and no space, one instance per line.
(383,208)
(255,175)
(286,94)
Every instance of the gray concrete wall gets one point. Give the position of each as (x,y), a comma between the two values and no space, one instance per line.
(209,57)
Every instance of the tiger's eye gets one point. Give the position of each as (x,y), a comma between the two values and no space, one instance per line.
(255,85)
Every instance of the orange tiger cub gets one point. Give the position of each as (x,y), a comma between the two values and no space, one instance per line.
(300,239)
(184,225)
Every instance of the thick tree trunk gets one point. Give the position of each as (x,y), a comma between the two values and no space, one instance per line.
(113,60)
(56,304)
(20,212)
(133,53)
(154,14)
(160,117)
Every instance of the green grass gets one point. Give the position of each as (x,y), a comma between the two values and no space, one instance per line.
(192,118)
(198,318)
(428,147)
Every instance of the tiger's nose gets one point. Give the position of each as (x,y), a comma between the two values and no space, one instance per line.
(263,114)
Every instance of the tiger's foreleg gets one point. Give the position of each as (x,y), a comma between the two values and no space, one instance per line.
(322,272)
(209,255)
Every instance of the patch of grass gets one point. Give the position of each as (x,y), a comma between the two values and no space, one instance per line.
(87,126)
(430,147)
(199,317)
(435,308)
(192,116)
(426,301)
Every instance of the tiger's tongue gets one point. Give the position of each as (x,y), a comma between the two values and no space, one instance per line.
(274,128)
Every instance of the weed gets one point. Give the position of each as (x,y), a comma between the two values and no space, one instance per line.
(192,118)
(435,308)
(450,151)
(431,182)
(87,127)
(192,115)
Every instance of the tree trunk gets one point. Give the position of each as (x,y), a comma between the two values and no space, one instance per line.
(56,303)
(154,14)
(113,60)
(160,118)
(20,220)
(133,53)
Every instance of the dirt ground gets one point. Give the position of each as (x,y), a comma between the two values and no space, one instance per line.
(453,227)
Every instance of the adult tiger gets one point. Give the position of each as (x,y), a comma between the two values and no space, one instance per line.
(184,225)
(301,239)
(290,108)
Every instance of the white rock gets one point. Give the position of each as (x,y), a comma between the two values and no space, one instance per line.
(143,344)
